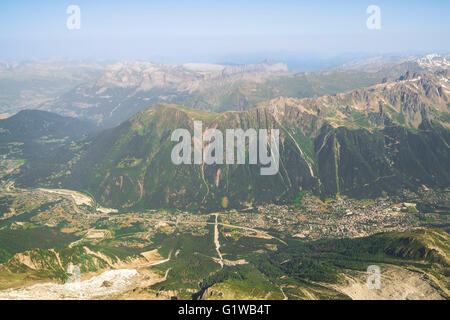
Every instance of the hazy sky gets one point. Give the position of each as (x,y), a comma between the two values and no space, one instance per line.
(219,31)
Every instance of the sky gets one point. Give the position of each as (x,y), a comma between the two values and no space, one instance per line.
(220,31)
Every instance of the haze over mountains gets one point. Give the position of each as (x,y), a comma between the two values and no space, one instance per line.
(111,93)
(367,142)
(123,88)
(28,84)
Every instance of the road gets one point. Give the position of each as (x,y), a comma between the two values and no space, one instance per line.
(216,240)
(219,224)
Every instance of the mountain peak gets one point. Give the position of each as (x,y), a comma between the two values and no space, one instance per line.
(433,61)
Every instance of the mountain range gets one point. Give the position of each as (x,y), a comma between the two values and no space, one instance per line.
(363,182)
(368,142)
(124,89)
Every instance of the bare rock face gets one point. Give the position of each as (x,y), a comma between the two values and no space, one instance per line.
(397,284)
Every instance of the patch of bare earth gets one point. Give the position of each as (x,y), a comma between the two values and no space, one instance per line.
(396,284)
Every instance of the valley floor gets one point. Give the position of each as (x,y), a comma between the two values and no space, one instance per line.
(267,252)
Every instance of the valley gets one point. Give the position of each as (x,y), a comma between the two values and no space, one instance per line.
(363,180)
(154,251)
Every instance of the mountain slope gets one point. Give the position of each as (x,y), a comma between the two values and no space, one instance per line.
(414,265)
(363,143)
(33,134)
(130,166)
(30,125)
